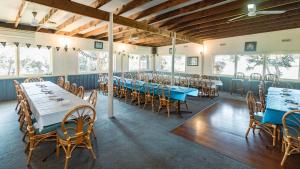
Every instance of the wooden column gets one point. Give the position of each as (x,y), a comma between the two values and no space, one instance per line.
(110,105)
(173,57)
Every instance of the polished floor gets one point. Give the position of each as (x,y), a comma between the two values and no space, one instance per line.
(222,128)
(135,139)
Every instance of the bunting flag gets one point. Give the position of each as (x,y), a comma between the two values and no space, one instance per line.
(74,49)
(57,48)
(17,44)
(66,49)
(28,45)
(3,44)
(39,46)
(48,47)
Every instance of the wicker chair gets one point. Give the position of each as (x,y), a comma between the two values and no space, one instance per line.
(165,101)
(136,94)
(75,131)
(256,119)
(149,96)
(73,88)
(61,81)
(35,136)
(67,86)
(123,90)
(80,92)
(33,79)
(237,83)
(254,79)
(291,134)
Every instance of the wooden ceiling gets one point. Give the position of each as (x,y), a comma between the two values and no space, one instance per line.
(192,22)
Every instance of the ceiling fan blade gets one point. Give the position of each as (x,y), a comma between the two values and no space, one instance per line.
(270,12)
(233,19)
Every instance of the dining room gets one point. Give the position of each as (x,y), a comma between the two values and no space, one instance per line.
(160,84)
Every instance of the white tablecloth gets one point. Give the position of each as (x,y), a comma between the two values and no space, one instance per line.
(45,110)
(213,82)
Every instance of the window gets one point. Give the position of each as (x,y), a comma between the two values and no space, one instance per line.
(249,64)
(87,61)
(138,62)
(286,66)
(8,60)
(166,63)
(224,64)
(133,62)
(35,61)
(92,61)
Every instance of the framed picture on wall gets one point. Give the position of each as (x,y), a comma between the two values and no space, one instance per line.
(192,61)
(98,45)
(250,46)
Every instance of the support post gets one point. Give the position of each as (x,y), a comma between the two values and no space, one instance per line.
(173,58)
(110,67)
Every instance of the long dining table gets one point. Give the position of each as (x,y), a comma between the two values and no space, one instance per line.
(49,103)
(278,102)
(177,93)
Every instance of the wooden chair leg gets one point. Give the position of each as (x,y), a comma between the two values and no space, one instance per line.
(89,146)
(250,126)
(57,148)
(285,154)
(68,155)
(168,109)
(274,135)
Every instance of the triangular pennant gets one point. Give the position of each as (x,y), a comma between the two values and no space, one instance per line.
(16,43)
(57,48)
(3,44)
(39,46)
(28,45)
(66,49)
(74,49)
(48,47)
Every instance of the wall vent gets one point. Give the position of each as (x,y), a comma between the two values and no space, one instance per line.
(286,40)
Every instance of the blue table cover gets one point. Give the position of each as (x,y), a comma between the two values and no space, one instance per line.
(278,102)
(176,92)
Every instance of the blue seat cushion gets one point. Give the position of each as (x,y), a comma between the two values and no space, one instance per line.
(71,132)
(48,129)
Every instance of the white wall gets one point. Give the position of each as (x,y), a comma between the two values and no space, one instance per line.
(188,49)
(66,63)
(266,43)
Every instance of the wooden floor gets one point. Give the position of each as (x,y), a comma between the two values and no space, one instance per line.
(222,127)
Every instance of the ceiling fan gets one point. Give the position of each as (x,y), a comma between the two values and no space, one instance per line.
(253,12)
(35,22)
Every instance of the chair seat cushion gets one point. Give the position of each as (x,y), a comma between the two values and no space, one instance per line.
(258,116)
(48,129)
(71,132)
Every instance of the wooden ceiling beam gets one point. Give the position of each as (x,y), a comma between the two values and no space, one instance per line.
(144,13)
(21,10)
(168,4)
(238,6)
(46,18)
(247,21)
(131,5)
(84,10)
(205,13)
(125,8)
(183,10)
(157,8)
(95,4)
(251,29)
(231,14)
